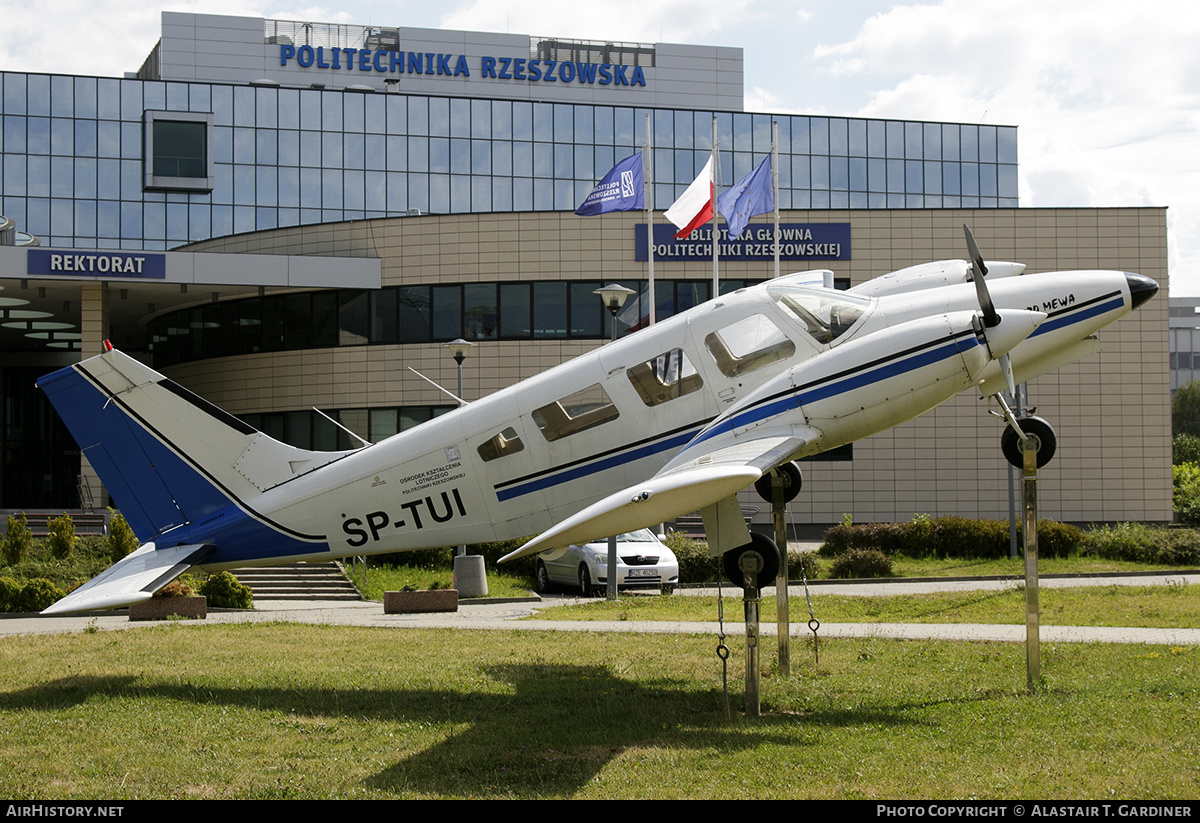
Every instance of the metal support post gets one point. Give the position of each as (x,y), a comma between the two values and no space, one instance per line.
(1029,448)
(750,599)
(782,617)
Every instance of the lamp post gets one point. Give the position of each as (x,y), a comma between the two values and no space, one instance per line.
(458,350)
(613,297)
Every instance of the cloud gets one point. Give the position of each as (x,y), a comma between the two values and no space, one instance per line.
(1107,106)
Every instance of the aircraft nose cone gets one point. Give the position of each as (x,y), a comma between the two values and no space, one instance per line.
(1141,288)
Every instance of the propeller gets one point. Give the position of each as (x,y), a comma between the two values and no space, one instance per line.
(990,318)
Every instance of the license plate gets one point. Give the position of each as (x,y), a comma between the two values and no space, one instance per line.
(642,573)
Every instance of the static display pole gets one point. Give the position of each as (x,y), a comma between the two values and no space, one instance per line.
(782,615)
(750,599)
(1029,449)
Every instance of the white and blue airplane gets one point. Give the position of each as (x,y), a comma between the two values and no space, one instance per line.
(673,418)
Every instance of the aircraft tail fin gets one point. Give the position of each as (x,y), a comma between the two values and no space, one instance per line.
(167,457)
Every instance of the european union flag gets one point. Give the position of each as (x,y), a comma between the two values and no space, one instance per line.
(751,195)
(620,190)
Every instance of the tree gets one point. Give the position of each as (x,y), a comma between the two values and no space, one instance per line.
(1185,409)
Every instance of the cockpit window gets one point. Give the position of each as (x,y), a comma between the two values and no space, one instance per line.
(826,315)
(748,344)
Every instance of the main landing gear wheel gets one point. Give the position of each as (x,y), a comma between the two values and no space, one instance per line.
(768,560)
(791,483)
(1010,443)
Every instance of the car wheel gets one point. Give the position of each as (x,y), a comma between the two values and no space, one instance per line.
(585,581)
(541,580)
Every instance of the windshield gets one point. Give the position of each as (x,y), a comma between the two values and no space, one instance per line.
(826,314)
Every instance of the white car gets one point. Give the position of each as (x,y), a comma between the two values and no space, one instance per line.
(643,562)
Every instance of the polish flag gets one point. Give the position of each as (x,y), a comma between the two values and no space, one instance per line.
(695,207)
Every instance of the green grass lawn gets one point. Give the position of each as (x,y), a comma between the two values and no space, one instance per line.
(1139,606)
(297,711)
(382,579)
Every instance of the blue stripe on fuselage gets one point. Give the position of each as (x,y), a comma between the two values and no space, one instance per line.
(598,465)
(836,384)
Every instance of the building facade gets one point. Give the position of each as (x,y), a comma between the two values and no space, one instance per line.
(452,162)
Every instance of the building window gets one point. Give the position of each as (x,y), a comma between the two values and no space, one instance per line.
(178,151)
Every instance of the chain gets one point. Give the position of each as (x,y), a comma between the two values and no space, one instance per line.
(813,622)
(722,649)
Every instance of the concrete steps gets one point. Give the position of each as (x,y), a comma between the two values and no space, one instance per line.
(299,581)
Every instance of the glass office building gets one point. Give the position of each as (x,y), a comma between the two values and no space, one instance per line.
(85,158)
(454,161)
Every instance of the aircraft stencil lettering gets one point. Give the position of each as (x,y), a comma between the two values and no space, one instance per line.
(678,416)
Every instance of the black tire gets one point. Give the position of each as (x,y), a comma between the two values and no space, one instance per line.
(1010,444)
(541,579)
(792,481)
(585,582)
(768,560)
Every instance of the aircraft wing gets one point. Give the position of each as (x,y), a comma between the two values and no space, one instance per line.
(131,580)
(703,479)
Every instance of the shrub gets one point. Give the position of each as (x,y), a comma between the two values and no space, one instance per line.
(223,590)
(36,595)
(695,566)
(803,565)
(61,536)
(857,563)
(10,590)
(1185,448)
(1186,496)
(176,588)
(1056,539)
(18,540)
(121,539)
(1144,544)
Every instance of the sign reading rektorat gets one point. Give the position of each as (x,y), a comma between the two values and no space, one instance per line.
(96,263)
(797,241)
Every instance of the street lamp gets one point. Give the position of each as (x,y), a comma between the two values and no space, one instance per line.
(458,350)
(613,297)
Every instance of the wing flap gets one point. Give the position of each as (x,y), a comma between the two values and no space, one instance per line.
(133,579)
(700,481)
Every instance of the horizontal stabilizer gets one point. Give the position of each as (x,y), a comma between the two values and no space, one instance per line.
(133,579)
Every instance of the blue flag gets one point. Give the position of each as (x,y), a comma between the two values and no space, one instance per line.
(751,195)
(620,190)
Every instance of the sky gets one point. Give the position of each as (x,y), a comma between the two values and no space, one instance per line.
(1106,94)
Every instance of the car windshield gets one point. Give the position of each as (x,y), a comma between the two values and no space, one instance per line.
(639,536)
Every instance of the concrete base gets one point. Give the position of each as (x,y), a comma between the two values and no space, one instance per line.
(437,600)
(470,579)
(162,608)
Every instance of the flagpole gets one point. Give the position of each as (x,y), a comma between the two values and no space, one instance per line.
(650,212)
(713,193)
(775,185)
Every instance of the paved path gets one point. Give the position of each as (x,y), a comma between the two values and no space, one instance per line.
(507,616)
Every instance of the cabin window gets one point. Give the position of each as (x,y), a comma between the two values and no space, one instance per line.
(575,413)
(748,344)
(505,443)
(665,377)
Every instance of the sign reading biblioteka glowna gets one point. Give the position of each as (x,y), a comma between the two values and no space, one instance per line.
(457,65)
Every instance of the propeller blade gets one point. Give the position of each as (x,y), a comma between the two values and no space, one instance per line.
(978,270)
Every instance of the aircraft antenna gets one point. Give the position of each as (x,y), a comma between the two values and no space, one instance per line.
(442,389)
(343,428)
